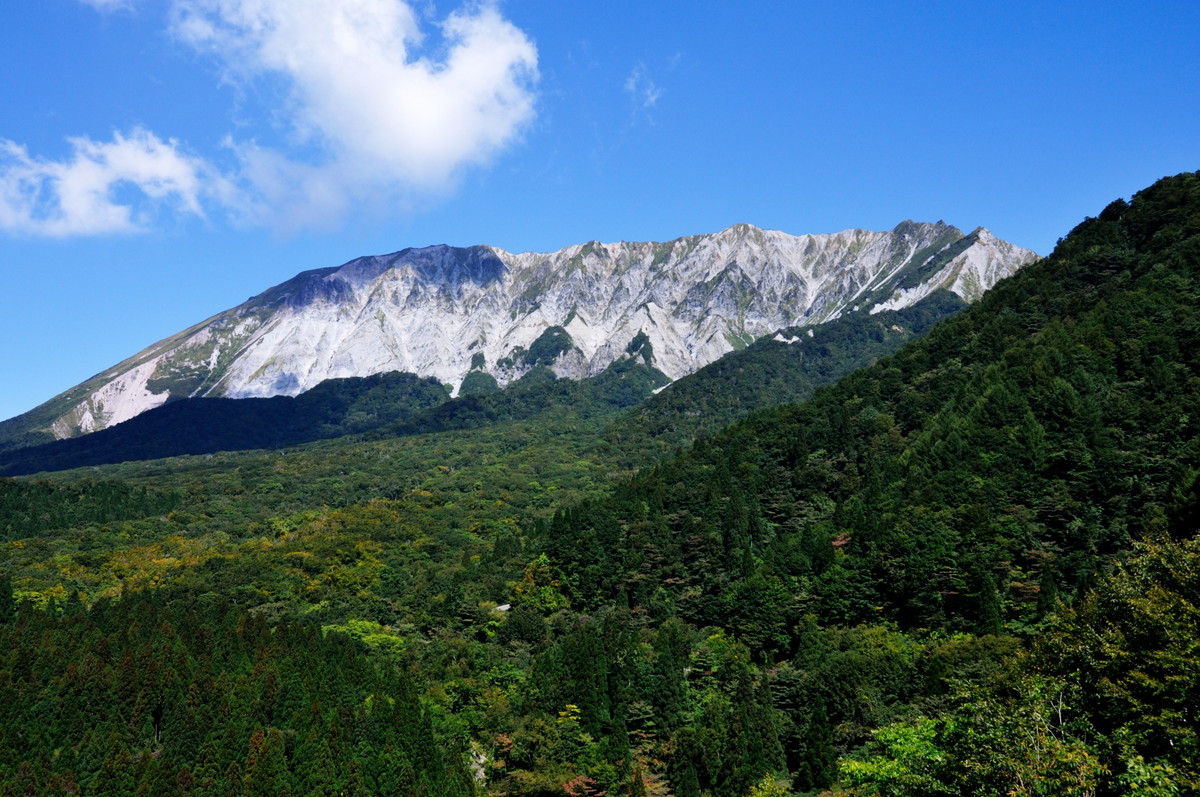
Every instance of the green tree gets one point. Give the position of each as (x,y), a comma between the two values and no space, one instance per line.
(1132,645)
(903,760)
(8,604)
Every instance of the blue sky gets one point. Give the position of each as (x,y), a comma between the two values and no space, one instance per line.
(163,160)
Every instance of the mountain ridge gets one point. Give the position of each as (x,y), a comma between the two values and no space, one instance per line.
(447,312)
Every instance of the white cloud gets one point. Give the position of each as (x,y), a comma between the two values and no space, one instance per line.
(376,116)
(641,88)
(79,195)
(288,194)
(386,119)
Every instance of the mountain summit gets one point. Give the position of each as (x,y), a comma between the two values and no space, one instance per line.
(489,316)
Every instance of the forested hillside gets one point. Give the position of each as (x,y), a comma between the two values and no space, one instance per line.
(374,407)
(966,485)
(1022,442)
(970,568)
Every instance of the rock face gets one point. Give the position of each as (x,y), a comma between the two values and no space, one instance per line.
(445,312)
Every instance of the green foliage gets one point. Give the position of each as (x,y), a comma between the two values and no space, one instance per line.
(639,345)
(1141,778)
(8,605)
(1101,707)
(768,787)
(478,383)
(1031,739)
(158,689)
(538,395)
(1131,646)
(539,588)
(28,508)
(548,346)
(904,760)
(1023,736)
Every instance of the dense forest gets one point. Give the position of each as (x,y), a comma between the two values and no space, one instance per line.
(970,567)
(157,693)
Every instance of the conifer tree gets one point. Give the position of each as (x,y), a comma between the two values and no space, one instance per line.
(8,605)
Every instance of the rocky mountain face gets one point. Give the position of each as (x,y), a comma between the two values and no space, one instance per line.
(489,316)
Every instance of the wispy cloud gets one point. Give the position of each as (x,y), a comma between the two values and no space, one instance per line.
(644,91)
(376,117)
(103,187)
(108,5)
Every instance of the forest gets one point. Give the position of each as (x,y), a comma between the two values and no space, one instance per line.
(946,551)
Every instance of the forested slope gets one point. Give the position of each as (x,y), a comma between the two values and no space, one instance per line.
(207,425)
(1004,456)
(965,484)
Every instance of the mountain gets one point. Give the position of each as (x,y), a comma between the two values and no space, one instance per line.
(480,317)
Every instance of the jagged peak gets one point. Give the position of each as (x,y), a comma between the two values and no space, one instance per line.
(910,227)
(430,309)
(738,231)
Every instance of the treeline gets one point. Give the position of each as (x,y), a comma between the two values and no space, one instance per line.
(623,384)
(376,407)
(160,694)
